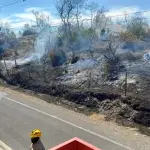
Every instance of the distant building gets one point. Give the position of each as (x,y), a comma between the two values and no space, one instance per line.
(110,28)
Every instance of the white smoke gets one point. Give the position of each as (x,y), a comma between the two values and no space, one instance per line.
(45,41)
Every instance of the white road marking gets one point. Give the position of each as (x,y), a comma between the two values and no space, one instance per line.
(3,146)
(72,124)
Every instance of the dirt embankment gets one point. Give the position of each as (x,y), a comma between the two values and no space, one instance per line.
(125,110)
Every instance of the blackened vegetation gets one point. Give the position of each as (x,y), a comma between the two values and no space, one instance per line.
(125,110)
(142,109)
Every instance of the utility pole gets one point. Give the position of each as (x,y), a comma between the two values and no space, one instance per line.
(126,81)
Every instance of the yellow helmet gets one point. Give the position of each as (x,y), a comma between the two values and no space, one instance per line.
(35,133)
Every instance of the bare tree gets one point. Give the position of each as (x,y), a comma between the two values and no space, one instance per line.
(5,29)
(5,64)
(5,35)
(65,10)
(92,6)
(100,21)
(113,62)
(42,20)
(79,4)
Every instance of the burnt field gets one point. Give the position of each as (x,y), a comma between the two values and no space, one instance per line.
(105,98)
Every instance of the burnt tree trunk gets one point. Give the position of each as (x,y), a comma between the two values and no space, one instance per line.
(6,67)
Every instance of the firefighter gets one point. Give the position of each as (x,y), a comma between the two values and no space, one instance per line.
(36,143)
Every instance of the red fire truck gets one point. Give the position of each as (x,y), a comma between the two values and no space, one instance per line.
(75,144)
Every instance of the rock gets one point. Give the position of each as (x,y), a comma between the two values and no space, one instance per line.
(105,96)
(92,102)
(76,97)
(105,105)
(142,118)
(136,134)
(126,113)
(81,108)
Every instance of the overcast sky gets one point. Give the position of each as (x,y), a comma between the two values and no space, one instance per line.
(19,14)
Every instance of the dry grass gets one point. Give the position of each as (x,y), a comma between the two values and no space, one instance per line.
(97,117)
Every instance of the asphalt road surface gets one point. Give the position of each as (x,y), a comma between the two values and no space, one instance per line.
(18,116)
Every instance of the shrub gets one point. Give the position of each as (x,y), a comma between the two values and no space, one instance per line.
(58,57)
(111,69)
(127,36)
(28,32)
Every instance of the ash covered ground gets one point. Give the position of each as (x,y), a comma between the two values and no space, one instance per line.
(81,83)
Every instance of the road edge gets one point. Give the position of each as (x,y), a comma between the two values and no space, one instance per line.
(69,123)
(4,146)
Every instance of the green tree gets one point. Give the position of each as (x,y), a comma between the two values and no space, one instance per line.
(137,25)
(28,30)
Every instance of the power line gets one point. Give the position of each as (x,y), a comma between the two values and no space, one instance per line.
(14,2)
(6,2)
(129,13)
(11,3)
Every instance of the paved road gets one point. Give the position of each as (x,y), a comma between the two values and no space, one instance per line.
(19,116)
